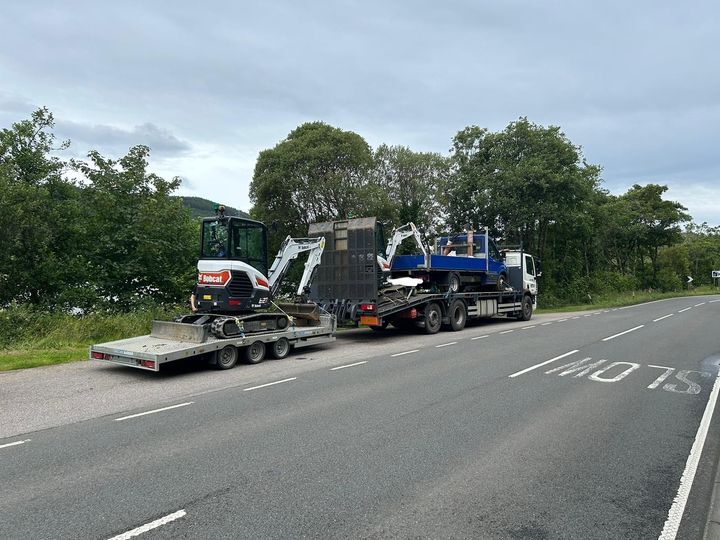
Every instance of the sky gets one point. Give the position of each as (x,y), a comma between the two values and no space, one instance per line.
(209,85)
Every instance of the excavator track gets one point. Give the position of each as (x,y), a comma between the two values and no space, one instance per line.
(228,327)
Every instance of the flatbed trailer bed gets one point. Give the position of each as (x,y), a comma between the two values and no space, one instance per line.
(170,341)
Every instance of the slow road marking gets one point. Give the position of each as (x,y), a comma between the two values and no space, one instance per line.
(154,411)
(349,365)
(542,364)
(269,384)
(16,443)
(150,526)
(623,333)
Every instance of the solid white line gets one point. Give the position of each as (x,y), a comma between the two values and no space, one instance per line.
(623,333)
(269,384)
(14,443)
(682,310)
(446,344)
(541,364)
(678,507)
(150,526)
(663,317)
(349,365)
(479,337)
(155,411)
(406,352)
(528,327)
(700,304)
(545,324)
(507,331)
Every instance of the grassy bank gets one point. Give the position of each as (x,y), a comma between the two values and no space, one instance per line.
(31,339)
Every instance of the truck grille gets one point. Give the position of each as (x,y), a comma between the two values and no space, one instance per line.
(240,285)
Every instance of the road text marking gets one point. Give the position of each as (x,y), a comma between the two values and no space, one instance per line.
(542,364)
(154,411)
(623,333)
(406,352)
(14,443)
(150,526)
(349,365)
(682,310)
(479,337)
(678,507)
(663,317)
(269,384)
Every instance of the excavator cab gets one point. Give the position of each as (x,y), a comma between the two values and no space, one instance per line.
(235,238)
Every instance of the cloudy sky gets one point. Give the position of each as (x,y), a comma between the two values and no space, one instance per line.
(209,85)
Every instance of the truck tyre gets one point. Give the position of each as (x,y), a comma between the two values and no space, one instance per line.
(255,352)
(433,318)
(454,282)
(501,282)
(526,309)
(280,348)
(226,357)
(458,315)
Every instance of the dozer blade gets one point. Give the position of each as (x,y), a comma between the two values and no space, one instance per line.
(309,312)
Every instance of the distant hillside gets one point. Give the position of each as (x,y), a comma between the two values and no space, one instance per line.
(200,208)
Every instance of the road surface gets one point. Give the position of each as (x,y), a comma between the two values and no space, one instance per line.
(584,425)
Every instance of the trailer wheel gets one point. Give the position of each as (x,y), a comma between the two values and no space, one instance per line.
(255,353)
(226,357)
(433,318)
(458,315)
(526,310)
(280,348)
(454,282)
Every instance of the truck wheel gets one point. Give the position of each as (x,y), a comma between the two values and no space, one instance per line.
(454,282)
(226,357)
(458,315)
(280,348)
(526,309)
(433,318)
(501,282)
(255,353)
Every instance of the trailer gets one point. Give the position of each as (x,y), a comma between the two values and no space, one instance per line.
(172,341)
(352,286)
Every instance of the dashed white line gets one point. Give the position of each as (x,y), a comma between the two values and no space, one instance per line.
(588,315)
(446,344)
(700,304)
(14,443)
(713,301)
(403,353)
(479,337)
(546,324)
(576,317)
(349,365)
(672,524)
(269,384)
(150,526)
(541,364)
(623,333)
(683,310)
(663,317)
(154,411)
(507,331)
(561,320)
(528,327)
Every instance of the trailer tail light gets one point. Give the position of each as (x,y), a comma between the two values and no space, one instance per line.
(409,314)
(148,364)
(367,307)
(97,355)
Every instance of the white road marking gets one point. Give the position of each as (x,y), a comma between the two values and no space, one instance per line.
(541,364)
(507,331)
(588,315)
(663,317)
(672,524)
(632,366)
(154,411)
(623,333)
(528,327)
(576,317)
(606,311)
(546,324)
(700,304)
(269,384)
(682,310)
(349,365)
(713,301)
(150,526)
(446,344)
(479,337)
(561,320)
(14,443)
(657,382)
(406,352)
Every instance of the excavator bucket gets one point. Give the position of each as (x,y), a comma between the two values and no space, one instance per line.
(309,312)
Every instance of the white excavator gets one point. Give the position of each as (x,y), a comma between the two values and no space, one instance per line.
(234,281)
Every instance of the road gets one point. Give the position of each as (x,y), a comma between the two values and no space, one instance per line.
(567,426)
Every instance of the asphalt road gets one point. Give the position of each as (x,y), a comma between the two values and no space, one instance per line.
(457,435)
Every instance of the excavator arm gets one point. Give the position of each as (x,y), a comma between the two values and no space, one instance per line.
(289,251)
(398,235)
